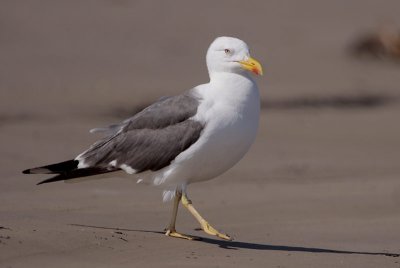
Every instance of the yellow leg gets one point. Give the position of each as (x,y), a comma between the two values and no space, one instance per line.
(171,231)
(204,224)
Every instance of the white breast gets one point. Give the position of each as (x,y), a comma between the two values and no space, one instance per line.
(231,114)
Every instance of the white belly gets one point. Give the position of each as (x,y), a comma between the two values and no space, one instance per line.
(230,130)
(227,142)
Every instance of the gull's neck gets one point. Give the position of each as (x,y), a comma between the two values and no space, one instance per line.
(233,88)
(225,78)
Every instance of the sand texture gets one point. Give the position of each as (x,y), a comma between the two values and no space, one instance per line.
(319,188)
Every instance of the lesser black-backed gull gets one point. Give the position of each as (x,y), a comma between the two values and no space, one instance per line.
(183,139)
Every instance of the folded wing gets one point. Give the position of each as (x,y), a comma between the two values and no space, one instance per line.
(150,140)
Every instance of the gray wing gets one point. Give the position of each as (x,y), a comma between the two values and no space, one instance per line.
(151,139)
(166,111)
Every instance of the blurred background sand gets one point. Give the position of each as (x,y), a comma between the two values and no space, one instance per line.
(323,174)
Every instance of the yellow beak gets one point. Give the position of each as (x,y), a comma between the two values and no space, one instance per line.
(252,65)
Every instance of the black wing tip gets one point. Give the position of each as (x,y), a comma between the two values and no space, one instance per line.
(52,179)
(77,173)
(56,168)
(38,170)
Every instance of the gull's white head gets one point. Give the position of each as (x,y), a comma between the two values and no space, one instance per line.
(229,54)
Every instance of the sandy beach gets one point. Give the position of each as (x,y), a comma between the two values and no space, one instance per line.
(319,188)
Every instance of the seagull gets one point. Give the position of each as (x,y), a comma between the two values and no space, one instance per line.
(183,139)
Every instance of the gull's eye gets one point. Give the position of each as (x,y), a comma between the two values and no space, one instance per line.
(227,51)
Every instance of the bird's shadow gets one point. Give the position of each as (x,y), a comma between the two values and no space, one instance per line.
(236,245)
